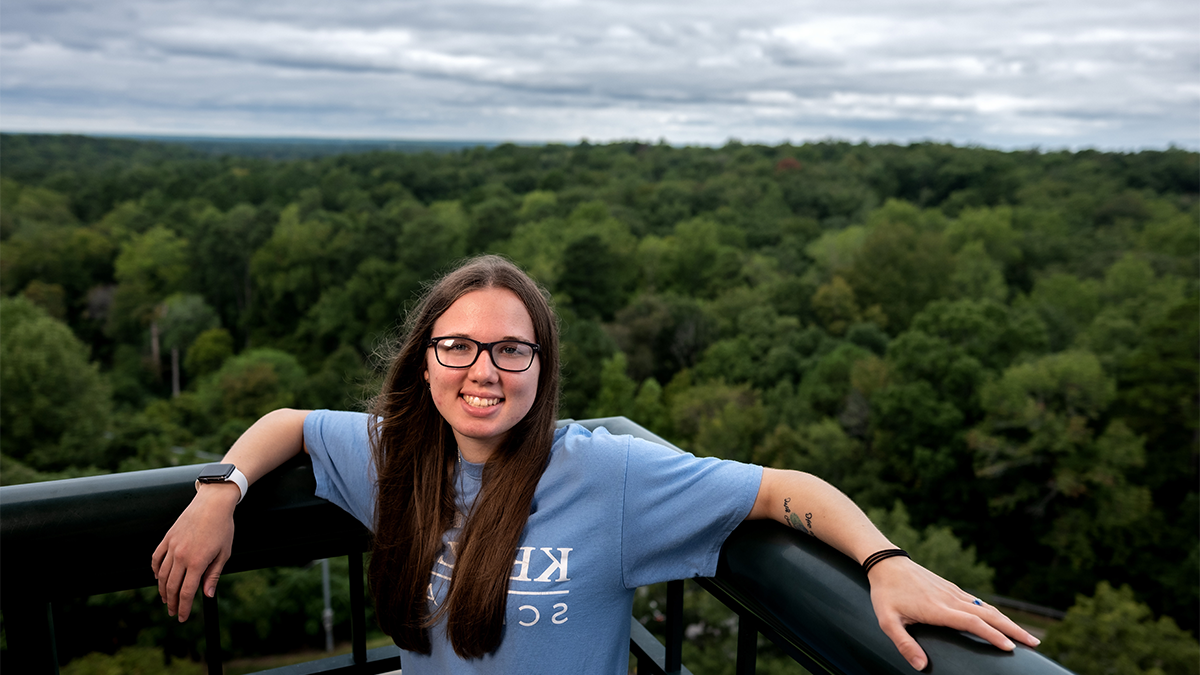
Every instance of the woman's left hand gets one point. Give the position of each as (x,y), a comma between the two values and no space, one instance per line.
(904,593)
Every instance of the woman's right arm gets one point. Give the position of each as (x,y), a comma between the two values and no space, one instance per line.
(197,546)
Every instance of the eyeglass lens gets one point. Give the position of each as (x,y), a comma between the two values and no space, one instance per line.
(461,352)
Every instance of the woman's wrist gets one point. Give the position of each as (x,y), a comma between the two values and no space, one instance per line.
(219,493)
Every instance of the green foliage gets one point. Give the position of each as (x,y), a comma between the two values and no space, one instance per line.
(764,348)
(1067,304)
(72,258)
(978,276)
(903,264)
(145,439)
(694,260)
(719,420)
(1040,450)
(824,449)
(131,661)
(13,472)
(834,251)
(985,330)
(991,228)
(150,267)
(585,346)
(936,548)
(1112,633)
(55,407)
(341,383)
(183,318)
(662,334)
(250,385)
(834,303)
(594,279)
(617,391)
(279,609)
(50,297)
(208,351)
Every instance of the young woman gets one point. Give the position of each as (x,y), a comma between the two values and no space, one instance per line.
(501,544)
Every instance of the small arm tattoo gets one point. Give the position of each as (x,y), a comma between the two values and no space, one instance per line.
(795,521)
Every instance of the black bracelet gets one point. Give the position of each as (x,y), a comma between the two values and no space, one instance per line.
(874,559)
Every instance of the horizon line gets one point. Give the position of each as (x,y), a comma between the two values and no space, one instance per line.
(468,143)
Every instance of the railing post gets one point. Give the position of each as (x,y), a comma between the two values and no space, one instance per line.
(212,634)
(358,609)
(747,645)
(674,660)
(30,628)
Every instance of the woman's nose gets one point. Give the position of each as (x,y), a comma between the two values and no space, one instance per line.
(484,370)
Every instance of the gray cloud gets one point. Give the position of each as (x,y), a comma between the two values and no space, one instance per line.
(1010,74)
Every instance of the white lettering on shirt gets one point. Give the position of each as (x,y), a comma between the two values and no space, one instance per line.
(453,553)
(536,614)
(560,612)
(523,563)
(559,564)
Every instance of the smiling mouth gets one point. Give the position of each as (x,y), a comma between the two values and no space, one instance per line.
(477,402)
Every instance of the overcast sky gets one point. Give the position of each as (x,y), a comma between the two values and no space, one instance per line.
(1004,73)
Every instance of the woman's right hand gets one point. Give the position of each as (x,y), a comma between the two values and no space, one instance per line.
(196,548)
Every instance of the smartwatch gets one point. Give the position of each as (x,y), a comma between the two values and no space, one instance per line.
(224,473)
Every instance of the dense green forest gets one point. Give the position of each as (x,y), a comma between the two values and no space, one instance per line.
(998,348)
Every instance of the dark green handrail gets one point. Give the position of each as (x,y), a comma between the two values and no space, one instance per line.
(84,536)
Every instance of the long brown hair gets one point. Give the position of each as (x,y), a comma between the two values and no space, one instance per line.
(414,453)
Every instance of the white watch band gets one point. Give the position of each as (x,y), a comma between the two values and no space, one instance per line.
(238,478)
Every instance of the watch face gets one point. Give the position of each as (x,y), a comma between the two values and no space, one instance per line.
(215,473)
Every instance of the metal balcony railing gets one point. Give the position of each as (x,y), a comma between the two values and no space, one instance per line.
(72,538)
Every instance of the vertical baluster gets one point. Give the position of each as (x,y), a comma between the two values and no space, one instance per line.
(51,645)
(358,609)
(747,645)
(674,660)
(212,635)
(30,628)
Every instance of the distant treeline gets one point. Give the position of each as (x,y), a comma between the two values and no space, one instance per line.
(1004,342)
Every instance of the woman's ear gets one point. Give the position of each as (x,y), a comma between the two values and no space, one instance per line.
(426,374)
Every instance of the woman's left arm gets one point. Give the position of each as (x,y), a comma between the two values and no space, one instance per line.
(902,591)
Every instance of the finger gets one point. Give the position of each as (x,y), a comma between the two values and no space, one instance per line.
(191,583)
(156,558)
(977,626)
(174,581)
(1007,626)
(212,574)
(162,573)
(907,646)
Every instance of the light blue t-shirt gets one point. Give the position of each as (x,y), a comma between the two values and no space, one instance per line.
(610,513)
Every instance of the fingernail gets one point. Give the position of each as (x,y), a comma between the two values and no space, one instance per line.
(918,663)
(1036,641)
(170,613)
(1008,644)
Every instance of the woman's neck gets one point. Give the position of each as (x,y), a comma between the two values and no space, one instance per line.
(474,451)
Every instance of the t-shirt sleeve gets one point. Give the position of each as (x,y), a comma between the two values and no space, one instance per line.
(678,511)
(341,455)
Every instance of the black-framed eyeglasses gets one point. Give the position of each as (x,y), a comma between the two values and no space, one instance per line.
(514,356)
